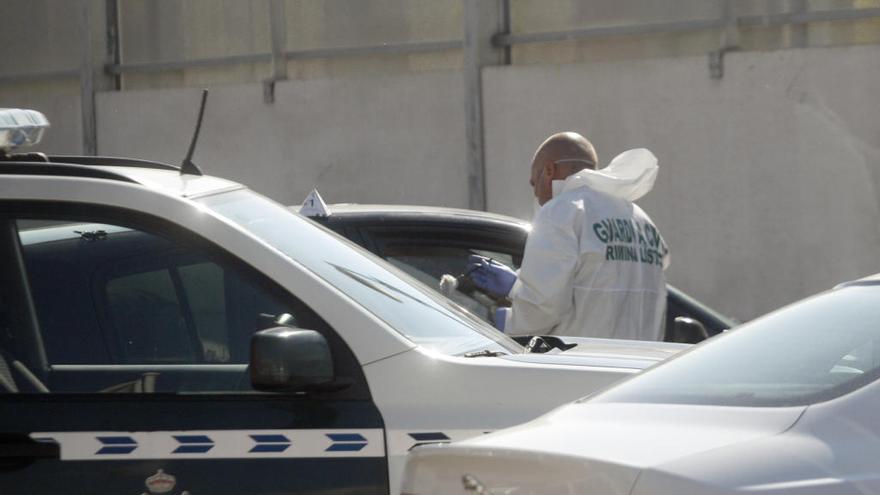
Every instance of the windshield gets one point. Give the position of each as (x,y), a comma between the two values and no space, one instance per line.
(809,352)
(415,311)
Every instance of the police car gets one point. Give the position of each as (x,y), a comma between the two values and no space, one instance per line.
(164,331)
(429,242)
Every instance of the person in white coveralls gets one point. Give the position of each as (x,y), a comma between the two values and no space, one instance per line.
(594,261)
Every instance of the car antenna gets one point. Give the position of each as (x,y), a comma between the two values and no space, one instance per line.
(188,167)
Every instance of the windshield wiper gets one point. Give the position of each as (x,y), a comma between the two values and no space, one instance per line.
(484,353)
(541,344)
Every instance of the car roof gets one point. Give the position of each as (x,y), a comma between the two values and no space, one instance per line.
(365,211)
(173,182)
(152,175)
(869,280)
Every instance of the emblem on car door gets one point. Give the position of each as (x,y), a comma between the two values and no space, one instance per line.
(161,482)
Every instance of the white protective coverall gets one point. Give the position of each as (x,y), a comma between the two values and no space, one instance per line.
(594,261)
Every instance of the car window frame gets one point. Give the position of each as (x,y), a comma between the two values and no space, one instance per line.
(467,234)
(13,209)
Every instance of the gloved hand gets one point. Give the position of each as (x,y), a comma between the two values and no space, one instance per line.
(490,275)
(501,317)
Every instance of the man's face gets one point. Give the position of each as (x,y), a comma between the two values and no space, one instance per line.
(541,181)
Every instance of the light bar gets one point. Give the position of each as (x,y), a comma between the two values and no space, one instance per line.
(21,127)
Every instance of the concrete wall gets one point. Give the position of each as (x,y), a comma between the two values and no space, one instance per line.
(393,139)
(530,16)
(159,30)
(768,178)
(39,35)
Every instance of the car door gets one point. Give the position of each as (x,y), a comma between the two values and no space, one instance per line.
(124,348)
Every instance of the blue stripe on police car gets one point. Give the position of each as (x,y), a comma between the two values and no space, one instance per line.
(193,444)
(116,445)
(270,443)
(218,444)
(346,442)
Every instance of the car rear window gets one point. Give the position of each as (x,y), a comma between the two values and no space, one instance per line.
(809,352)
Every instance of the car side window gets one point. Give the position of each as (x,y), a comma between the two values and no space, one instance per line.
(147,320)
(429,259)
(425,268)
(123,309)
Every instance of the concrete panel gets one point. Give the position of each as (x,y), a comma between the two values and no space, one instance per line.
(39,35)
(768,178)
(528,16)
(158,30)
(343,23)
(397,139)
(559,15)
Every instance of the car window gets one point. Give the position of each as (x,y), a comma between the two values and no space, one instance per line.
(429,262)
(417,312)
(122,309)
(472,304)
(811,351)
(147,320)
(203,286)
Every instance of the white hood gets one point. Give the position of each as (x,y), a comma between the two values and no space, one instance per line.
(630,175)
(611,353)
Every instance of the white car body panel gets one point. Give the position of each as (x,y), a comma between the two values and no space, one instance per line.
(611,442)
(830,450)
(463,397)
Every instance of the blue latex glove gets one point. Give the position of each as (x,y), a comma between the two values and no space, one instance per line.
(501,317)
(490,275)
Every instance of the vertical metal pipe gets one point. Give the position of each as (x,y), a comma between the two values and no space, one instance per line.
(114,40)
(504,29)
(482,21)
(730,32)
(728,40)
(798,31)
(87,80)
(278,32)
(278,27)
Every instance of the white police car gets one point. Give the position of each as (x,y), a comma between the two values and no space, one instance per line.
(170,332)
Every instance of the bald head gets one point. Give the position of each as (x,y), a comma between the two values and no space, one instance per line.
(569,150)
(559,156)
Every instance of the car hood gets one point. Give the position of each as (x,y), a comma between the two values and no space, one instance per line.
(608,353)
(593,448)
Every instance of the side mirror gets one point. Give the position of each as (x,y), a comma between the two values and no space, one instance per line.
(290,359)
(688,331)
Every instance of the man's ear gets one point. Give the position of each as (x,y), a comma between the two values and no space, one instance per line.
(550,170)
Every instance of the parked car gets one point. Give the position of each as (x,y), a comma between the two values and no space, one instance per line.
(428,242)
(786,404)
(173,331)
